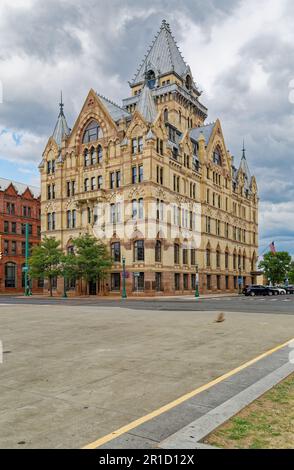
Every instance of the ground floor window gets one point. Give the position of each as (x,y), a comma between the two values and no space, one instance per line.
(235,282)
(208,281)
(218,282)
(177,281)
(227,282)
(41,282)
(70,283)
(158,282)
(115,281)
(10,275)
(186,281)
(138,282)
(193,281)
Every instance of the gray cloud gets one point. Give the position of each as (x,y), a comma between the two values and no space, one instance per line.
(75,45)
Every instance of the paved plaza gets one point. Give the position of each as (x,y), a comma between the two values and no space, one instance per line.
(76,370)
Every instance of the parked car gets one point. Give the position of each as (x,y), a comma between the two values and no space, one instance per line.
(281,290)
(289,289)
(259,290)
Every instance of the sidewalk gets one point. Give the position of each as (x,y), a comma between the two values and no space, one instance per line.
(186,424)
(110,297)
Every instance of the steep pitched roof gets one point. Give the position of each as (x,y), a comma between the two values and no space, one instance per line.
(162,57)
(206,131)
(61,128)
(115,111)
(19,187)
(146,105)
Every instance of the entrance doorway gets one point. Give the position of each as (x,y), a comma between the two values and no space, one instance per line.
(92,288)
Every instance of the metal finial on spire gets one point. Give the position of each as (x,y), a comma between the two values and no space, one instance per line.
(243,150)
(61,105)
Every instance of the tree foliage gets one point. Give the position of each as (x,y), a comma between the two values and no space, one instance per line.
(276,266)
(92,260)
(45,260)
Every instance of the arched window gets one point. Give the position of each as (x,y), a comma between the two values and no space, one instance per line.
(150,77)
(139,254)
(239,261)
(176,253)
(10,274)
(86,157)
(208,257)
(253,262)
(227,260)
(165,115)
(218,256)
(158,251)
(93,156)
(217,159)
(92,132)
(99,154)
(234,261)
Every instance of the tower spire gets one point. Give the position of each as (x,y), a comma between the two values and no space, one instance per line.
(61,128)
(243,150)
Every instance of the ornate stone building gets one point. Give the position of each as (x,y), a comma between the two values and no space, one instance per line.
(155,182)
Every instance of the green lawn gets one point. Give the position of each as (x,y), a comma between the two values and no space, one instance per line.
(268,423)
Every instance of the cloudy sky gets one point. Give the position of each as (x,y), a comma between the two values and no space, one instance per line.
(241,53)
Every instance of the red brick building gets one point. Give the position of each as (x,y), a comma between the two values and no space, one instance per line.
(19,204)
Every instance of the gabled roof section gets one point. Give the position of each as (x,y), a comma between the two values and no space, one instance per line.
(115,111)
(162,57)
(206,131)
(146,105)
(61,128)
(19,187)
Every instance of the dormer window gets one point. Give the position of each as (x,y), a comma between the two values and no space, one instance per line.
(150,77)
(92,132)
(188,82)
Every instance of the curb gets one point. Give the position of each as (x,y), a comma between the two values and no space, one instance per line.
(190,436)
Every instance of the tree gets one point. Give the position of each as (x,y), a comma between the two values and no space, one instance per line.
(276,266)
(291,273)
(45,260)
(92,260)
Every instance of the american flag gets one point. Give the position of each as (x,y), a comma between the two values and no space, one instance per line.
(272,247)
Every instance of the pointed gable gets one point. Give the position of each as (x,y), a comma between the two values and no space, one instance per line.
(163,56)
(14,188)
(205,130)
(146,106)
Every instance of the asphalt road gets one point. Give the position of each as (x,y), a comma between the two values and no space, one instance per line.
(278,305)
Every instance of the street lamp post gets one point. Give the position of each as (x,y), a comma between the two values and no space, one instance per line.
(124,292)
(197,283)
(240,281)
(27,289)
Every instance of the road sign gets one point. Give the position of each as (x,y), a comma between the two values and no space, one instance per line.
(25,268)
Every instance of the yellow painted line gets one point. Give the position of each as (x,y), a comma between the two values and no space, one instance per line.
(128,427)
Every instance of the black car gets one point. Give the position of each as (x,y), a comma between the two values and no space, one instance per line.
(259,290)
(289,289)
